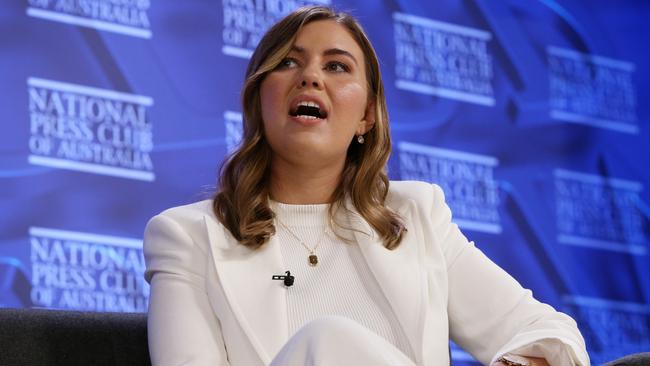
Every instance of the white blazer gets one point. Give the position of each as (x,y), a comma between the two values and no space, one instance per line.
(212,300)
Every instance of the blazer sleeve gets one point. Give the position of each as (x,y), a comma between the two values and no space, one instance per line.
(489,312)
(182,328)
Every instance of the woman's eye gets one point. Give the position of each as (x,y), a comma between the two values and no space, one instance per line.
(287,63)
(337,67)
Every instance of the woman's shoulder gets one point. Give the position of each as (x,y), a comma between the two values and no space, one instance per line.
(187,217)
(189,211)
(175,239)
(427,198)
(177,227)
(421,192)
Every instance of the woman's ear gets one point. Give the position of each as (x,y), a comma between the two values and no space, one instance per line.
(368,120)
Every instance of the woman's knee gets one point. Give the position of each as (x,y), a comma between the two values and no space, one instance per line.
(331,328)
(335,331)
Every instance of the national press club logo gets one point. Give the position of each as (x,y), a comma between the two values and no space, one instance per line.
(128,17)
(87,271)
(591,90)
(93,130)
(443,59)
(598,212)
(611,328)
(467,180)
(246,21)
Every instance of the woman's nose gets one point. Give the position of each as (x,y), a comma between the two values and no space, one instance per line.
(304,83)
(310,78)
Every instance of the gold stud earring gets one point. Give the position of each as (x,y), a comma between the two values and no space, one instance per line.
(360,139)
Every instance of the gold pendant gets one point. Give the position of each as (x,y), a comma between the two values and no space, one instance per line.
(313,260)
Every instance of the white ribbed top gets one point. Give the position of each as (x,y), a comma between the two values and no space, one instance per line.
(341,284)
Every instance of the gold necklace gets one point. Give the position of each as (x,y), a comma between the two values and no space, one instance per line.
(313,258)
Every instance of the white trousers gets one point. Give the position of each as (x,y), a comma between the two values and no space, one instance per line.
(339,341)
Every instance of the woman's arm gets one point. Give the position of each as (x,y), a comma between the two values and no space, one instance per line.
(182,328)
(489,312)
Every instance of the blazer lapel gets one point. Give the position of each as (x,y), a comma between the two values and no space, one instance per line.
(398,273)
(258,303)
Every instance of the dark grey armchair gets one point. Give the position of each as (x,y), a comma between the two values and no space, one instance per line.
(51,337)
(638,359)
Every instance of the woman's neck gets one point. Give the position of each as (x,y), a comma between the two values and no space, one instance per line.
(304,184)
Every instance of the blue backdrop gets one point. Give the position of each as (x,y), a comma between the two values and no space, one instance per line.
(531,114)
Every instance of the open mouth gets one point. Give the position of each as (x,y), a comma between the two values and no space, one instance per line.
(309,110)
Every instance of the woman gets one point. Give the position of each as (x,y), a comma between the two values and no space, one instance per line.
(380,274)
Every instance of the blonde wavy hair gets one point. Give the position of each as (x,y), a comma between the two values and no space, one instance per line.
(241,204)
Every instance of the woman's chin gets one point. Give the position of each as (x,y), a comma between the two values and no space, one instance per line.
(315,151)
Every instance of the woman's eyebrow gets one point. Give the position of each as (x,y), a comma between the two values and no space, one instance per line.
(338,51)
(328,52)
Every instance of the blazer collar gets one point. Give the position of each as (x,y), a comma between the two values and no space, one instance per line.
(259,304)
(397,271)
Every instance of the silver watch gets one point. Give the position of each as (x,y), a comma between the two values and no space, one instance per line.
(513,360)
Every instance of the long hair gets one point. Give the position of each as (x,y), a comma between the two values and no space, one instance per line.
(241,204)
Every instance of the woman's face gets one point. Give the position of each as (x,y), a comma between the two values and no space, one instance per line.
(315,101)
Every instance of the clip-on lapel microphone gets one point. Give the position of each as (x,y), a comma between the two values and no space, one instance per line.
(288,278)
